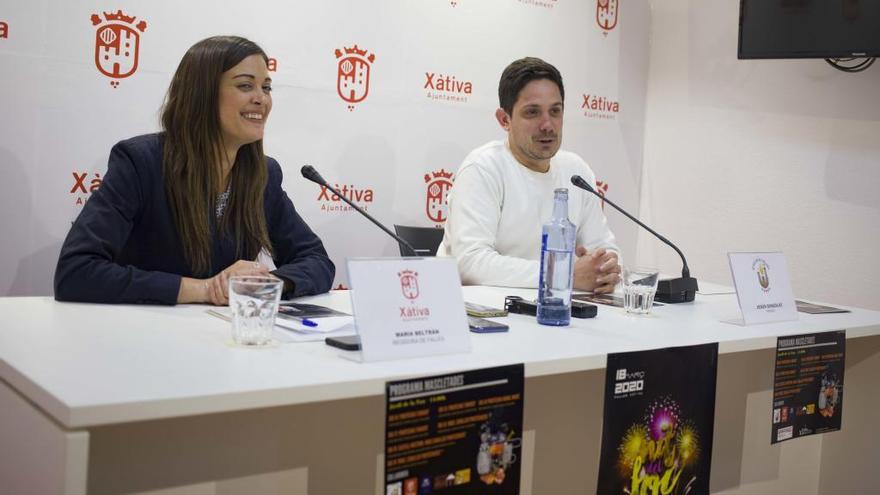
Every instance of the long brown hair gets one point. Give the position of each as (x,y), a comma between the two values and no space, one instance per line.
(194,151)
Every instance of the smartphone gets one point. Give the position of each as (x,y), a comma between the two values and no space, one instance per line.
(579,309)
(481,311)
(482,325)
(346,342)
(609,299)
(516,304)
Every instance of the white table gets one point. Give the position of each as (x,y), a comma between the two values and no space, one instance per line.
(138,398)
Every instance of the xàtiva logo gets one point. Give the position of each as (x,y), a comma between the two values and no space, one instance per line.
(117,45)
(353,74)
(606,15)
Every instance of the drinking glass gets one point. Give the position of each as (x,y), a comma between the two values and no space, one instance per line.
(254,304)
(639,288)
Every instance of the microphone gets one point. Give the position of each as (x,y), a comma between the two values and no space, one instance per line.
(311,174)
(675,290)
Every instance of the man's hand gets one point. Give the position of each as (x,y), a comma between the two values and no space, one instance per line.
(597,271)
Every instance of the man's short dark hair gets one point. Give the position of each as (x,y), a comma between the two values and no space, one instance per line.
(521,72)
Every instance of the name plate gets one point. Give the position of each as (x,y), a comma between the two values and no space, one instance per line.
(763,287)
(408,307)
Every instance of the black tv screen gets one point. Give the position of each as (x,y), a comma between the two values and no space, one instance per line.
(809,28)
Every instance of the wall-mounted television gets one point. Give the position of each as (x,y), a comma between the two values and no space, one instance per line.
(809,28)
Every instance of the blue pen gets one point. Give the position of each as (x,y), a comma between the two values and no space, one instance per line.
(305,321)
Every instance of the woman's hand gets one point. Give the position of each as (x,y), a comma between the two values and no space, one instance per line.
(217,287)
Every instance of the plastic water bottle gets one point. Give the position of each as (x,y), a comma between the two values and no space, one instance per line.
(557,256)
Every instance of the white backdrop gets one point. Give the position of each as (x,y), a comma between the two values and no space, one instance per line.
(760,155)
(63,115)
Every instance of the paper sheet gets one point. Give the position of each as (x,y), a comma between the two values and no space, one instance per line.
(290,330)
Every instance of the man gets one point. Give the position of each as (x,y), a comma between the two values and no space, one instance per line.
(503,192)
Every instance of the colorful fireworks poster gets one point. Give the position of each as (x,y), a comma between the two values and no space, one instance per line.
(659,414)
(455,434)
(808,385)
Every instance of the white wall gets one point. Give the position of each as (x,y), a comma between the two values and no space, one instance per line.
(759,155)
(62,116)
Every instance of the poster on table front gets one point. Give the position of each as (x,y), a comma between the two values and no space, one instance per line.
(455,434)
(658,419)
(808,385)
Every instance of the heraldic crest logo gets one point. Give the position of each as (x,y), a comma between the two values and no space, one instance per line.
(117,44)
(353,74)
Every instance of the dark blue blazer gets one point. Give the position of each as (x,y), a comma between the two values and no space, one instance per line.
(124,246)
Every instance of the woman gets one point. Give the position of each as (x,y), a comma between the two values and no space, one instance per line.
(180,212)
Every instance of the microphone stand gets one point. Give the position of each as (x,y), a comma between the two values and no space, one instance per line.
(311,174)
(675,290)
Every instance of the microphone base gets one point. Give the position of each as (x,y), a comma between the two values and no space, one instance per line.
(676,290)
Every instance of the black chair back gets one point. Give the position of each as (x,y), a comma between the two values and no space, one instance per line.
(425,240)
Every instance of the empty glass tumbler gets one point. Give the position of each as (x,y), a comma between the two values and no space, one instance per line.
(639,288)
(254,304)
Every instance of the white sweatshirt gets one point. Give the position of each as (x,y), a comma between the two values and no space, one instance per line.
(497,207)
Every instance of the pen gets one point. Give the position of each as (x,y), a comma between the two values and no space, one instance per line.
(305,321)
